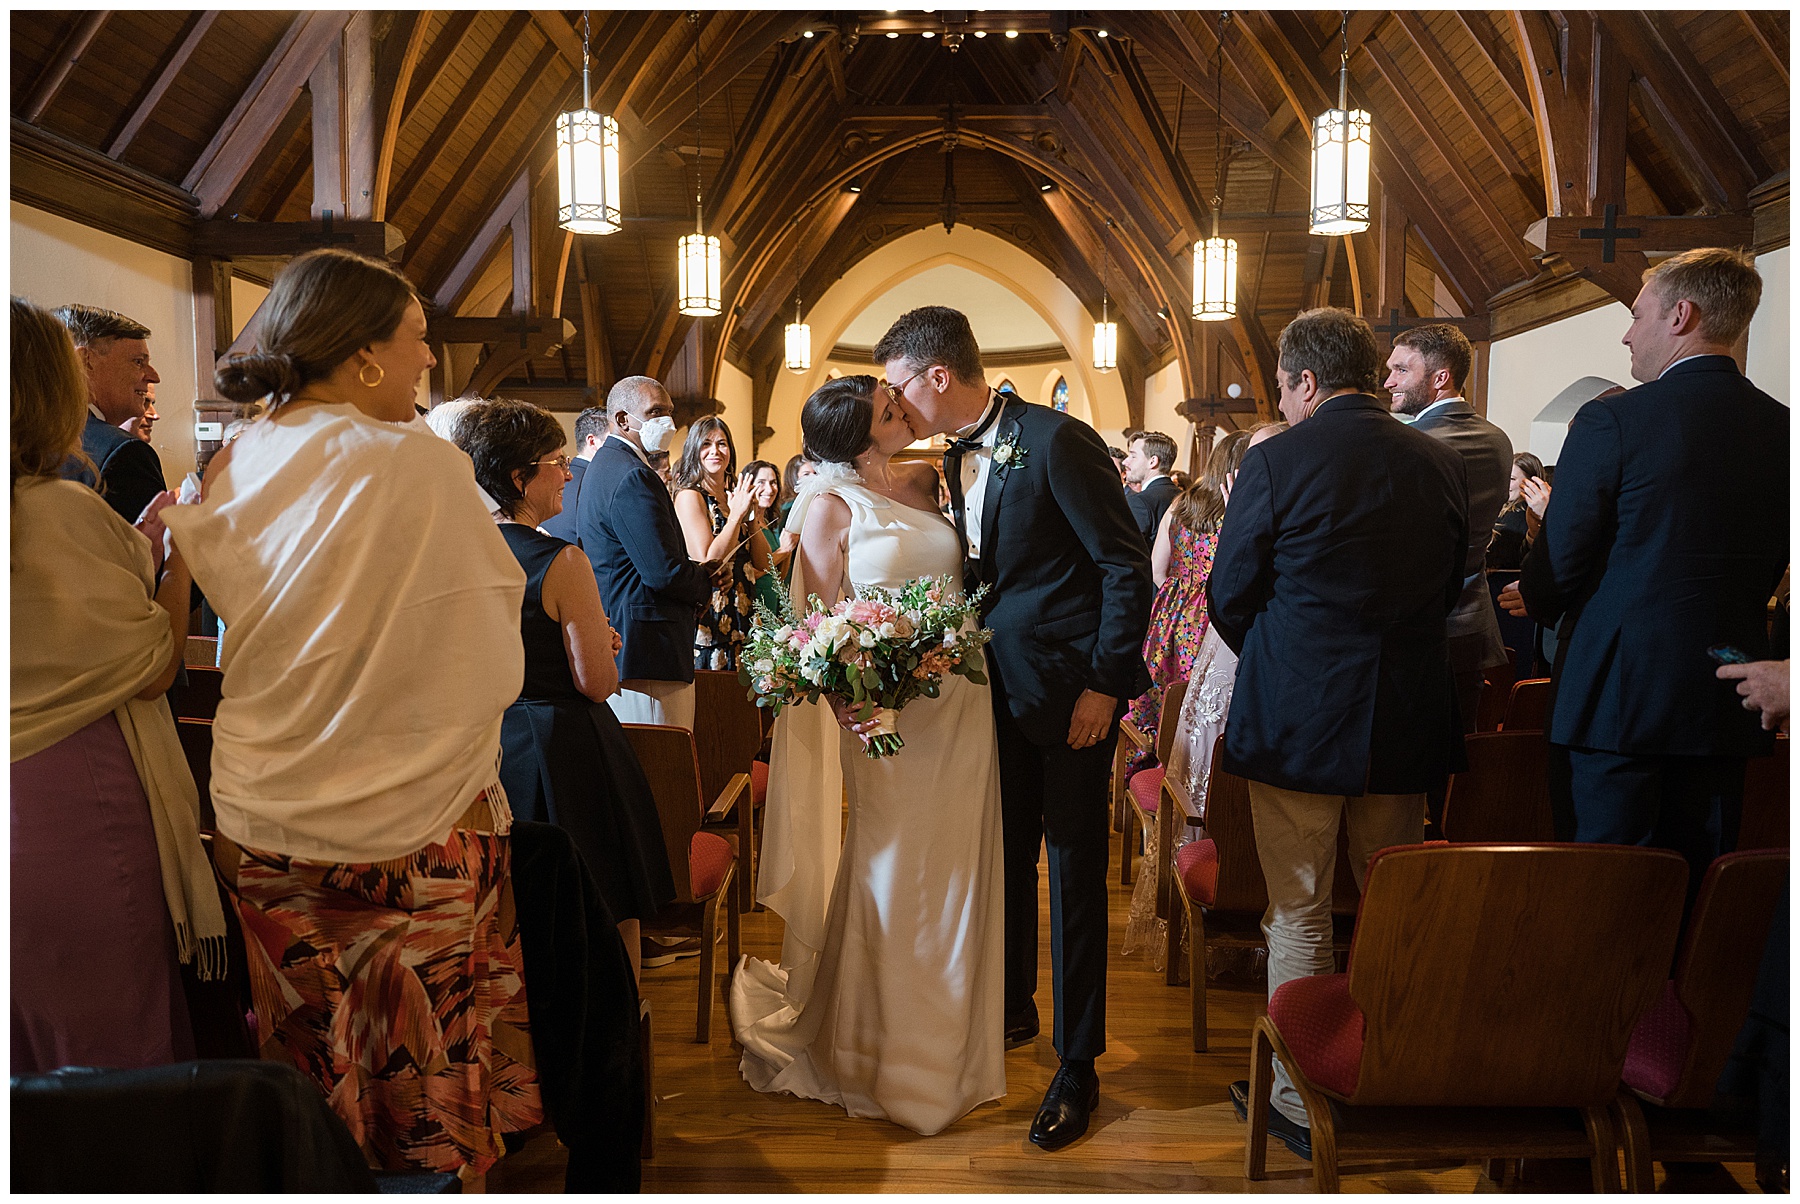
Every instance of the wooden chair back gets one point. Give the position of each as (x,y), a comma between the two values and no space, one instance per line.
(1765,820)
(1509,976)
(1496,692)
(201,650)
(198,697)
(1721,954)
(1169,720)
(1528,706)
(1504,795)
(727,726)
(673,771)
(196,745)
(1228,823)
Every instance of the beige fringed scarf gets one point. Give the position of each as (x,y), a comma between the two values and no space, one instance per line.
(87,635)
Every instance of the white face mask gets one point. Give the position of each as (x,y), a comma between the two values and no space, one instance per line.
(655,434)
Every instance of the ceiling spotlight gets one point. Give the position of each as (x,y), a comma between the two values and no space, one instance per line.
(806,33)
(981,33)
(1012,33)
(927,34)
(1046,184)
(855,184)
(1234,391)
(892,34)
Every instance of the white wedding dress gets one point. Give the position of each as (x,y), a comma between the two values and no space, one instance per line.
(889,998)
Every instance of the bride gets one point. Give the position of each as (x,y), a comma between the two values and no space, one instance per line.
(888,1001)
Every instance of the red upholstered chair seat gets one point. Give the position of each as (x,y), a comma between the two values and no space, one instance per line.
(709,856)
(1323,1029)
(759,782)
(1659,1047)
(1197,865)
(1146,788)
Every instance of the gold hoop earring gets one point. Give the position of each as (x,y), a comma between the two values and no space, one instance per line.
(363,376)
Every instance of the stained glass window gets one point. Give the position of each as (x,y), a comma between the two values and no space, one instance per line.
(1059,394)
(1006,386)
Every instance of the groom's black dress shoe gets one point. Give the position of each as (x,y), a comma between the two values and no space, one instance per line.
(1297,1138)
(1021,1030)
(1067,1106)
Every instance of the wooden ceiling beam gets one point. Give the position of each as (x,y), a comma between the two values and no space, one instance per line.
(237,142)
(1766,30)
(598,368)
(1528,186)
(457,23)
(1473,190)
(344,138)
(1493,48)
(458,111)
(1146,113)
(62,62)
(398,61)
(481,246)
(223,239)
(166,71)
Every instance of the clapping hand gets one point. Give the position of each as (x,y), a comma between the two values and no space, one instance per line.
(1536,495)
(741,498)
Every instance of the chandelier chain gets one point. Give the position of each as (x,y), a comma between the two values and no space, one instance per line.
(587,98)
(699,223)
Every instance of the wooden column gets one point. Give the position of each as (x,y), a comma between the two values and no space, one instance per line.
(343,124)
(212,319)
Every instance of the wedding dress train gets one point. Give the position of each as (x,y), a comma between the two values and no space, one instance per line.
(889,998)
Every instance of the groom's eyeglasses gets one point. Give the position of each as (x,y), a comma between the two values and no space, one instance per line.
(897,392)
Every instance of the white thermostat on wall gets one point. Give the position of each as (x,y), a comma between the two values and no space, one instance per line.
(209,431)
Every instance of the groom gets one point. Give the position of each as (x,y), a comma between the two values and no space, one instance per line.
(1046,528)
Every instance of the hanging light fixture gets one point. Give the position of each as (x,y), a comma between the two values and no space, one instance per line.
(1342,142)
(1215,258)
(1106,331)
(587,163)
(698,261)
(799,342)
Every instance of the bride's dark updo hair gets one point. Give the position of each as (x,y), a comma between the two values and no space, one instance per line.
(325,306)
(836,419)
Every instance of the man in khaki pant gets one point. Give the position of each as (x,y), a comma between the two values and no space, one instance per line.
(1339,560)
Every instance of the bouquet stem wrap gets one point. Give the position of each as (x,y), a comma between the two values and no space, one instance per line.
(884,739)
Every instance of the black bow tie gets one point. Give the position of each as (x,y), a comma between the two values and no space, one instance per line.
(971,441)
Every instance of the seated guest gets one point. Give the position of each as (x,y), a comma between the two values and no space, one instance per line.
(590,429)
(371,648)
(632,539)
(115,356)
(765,484)
(110,884)
(1508,549)
(798,469)
(1148,463)
(564,758)
(1665,536)
(720,521)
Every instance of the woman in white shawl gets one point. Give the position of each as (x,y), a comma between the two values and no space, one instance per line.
(371,645)
(110,884)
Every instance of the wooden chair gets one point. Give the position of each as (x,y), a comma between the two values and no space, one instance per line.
(1504,795)
(196,745)
(729,734)
(197,697)
(1144,793)
(1219,881)
(1528,706)
(1765,820)
(1496,691)
(1486,1013)
(703,862)
(201,650)
(1679,1048)
(1132,740)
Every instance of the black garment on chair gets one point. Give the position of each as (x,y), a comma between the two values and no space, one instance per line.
(217,1126)
(565,759)
(584,1011)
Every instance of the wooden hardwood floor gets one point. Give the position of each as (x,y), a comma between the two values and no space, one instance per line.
(1164,1122)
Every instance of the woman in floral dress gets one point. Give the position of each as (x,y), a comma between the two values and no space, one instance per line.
(720,521)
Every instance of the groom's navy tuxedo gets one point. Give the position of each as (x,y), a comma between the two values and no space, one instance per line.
(1069,593)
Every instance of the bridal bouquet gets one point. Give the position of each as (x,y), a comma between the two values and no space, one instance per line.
(880,651)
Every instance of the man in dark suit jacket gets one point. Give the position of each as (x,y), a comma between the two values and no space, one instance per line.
(1665,536)
(1037,505)
(650,588)
(590,429)
(1340,556)
(1147,467)
(1426,374)
(115,355)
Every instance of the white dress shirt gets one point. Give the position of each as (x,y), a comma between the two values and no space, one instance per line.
(635,449)
(976,464)
(1443,401)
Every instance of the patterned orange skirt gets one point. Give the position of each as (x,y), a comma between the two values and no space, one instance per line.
(398,986)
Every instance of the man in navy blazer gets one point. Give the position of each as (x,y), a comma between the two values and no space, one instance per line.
(115,354)
(1147,466)
(1340,557)
(1666,534)
(590,429)
(651,589)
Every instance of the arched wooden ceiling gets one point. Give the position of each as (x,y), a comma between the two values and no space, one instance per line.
(165,125)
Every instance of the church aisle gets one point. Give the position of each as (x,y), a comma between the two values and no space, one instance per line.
(1163,1124)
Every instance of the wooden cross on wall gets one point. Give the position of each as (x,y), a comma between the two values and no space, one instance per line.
(1611,232)
(523,326)
(1394,326)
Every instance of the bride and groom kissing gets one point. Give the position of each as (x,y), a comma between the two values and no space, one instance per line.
(910,947)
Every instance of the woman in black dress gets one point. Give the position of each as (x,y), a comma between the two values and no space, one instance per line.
(564,758)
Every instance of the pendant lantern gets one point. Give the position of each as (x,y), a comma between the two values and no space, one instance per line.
(799,342)
(587,163)
(1106,331)
(1342,145)
(698,263)
(1216,258)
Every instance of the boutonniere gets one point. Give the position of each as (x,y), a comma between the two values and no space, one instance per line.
(1008,454)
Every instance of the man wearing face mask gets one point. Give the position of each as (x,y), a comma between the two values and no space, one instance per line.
(626,524)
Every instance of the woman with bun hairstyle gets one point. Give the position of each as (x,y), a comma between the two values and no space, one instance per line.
(110,885)
(371,646)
